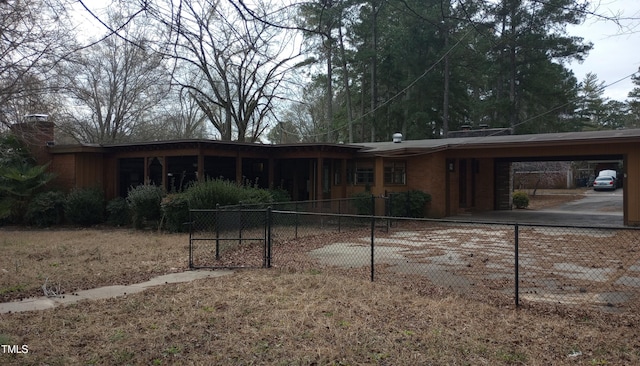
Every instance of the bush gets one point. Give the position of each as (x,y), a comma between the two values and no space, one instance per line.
(46,209)
(144,201)
(118,212)
(175,212)
(208,193)
(252,196)
(280,195)
(363,203)
(520,200)
(409,204)
(85,206)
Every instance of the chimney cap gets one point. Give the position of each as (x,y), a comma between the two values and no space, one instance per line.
(36,117)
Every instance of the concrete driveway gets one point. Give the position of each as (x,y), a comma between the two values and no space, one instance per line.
(602,208)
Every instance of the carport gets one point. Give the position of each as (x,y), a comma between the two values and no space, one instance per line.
(471,174)
(621,145)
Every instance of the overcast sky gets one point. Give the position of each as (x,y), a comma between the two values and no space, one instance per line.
(616,51)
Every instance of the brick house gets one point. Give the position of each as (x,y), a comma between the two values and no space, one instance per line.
(461,173)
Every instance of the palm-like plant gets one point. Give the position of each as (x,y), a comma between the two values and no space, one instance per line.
(19,180)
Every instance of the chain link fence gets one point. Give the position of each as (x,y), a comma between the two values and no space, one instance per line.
(506,262)
(228,238)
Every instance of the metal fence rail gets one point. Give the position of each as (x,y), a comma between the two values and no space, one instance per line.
(522,263)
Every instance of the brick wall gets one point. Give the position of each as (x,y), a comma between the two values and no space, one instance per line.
(64,166)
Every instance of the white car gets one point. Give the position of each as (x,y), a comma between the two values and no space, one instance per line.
(604,183)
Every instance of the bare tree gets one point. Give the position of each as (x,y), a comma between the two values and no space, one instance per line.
(242,64)
(32,41)
(113,88)
(303,121)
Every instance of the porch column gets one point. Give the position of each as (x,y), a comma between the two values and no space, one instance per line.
(200,166)
(146,170)
(344,178)
(238,169)
(271,173)
(378,177)
(631,197)
(318,188)
(165,171)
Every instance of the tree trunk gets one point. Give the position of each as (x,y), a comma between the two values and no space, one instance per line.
(345,72)
(374,69)
(329,96)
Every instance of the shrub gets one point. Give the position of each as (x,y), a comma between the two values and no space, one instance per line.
(363,203)
(280,195)
(409,204)
(144,201)
(520,200)
(208,193)
(46,209)
(253,196)
(85,206)
(118,212)
(175,212)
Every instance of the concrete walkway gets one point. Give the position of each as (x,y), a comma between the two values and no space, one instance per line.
(42,303)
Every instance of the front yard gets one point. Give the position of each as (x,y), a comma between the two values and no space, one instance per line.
(299,313)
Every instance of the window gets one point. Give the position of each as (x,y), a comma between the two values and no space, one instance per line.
(364,173)
(395,172)
(337,172)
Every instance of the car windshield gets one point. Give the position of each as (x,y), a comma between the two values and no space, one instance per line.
(604,179)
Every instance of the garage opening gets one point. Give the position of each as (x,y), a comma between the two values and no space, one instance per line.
(561,186)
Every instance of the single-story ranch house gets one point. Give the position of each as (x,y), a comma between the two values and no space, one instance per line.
(461,173)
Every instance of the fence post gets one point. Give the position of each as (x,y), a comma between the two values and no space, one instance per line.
(373,230)
(517,265)
(267,262)
(296,220)
(190,240)
(241,224)
(339,216)
(217,226)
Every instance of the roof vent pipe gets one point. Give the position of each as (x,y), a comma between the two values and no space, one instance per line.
(397,137)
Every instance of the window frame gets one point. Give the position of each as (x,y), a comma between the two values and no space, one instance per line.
(395,172)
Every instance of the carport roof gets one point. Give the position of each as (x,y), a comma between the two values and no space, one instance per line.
(548,139)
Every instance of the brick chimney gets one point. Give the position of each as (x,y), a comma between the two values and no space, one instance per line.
(37,133)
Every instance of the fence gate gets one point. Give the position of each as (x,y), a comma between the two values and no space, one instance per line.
(230,238)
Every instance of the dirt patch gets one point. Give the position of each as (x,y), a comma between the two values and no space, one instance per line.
(546,199)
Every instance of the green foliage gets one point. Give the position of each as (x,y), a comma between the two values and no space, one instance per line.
(251,196)
(175,212)
(13,152)
(20,178)
(279,195)
(118,212)
(206,194)
(520,199)
(144,201)
(409,204)
(46,209)
(85,206)
(363,203)
(212,192)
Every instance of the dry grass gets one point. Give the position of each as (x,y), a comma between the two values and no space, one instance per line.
(301,313)
(315,317)
(78,259)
